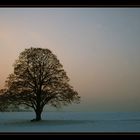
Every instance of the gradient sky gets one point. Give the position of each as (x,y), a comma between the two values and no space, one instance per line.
(98,47)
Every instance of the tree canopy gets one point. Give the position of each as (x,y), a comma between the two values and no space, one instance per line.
(38,80)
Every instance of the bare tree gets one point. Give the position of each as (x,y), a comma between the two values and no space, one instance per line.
(38,79)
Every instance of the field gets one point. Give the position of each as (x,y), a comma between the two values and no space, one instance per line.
(70,122)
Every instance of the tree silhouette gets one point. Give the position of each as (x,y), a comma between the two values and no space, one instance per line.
(38,79)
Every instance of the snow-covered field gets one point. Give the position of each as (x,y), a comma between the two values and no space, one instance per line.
(70,122)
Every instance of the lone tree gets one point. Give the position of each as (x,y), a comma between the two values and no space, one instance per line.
(38,80)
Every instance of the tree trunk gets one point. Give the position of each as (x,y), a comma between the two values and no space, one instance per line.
(38,115)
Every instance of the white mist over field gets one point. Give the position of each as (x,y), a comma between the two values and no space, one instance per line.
(70,122)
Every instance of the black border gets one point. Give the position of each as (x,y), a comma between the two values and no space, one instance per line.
(40,134)
(69,133)
(69,4)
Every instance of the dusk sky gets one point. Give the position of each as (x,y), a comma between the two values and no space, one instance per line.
(98,47)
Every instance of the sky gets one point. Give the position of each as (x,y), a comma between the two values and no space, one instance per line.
(98,47)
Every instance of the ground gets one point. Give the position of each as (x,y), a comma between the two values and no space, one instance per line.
(70,122)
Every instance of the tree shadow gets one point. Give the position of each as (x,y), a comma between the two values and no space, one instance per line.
(47,122)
